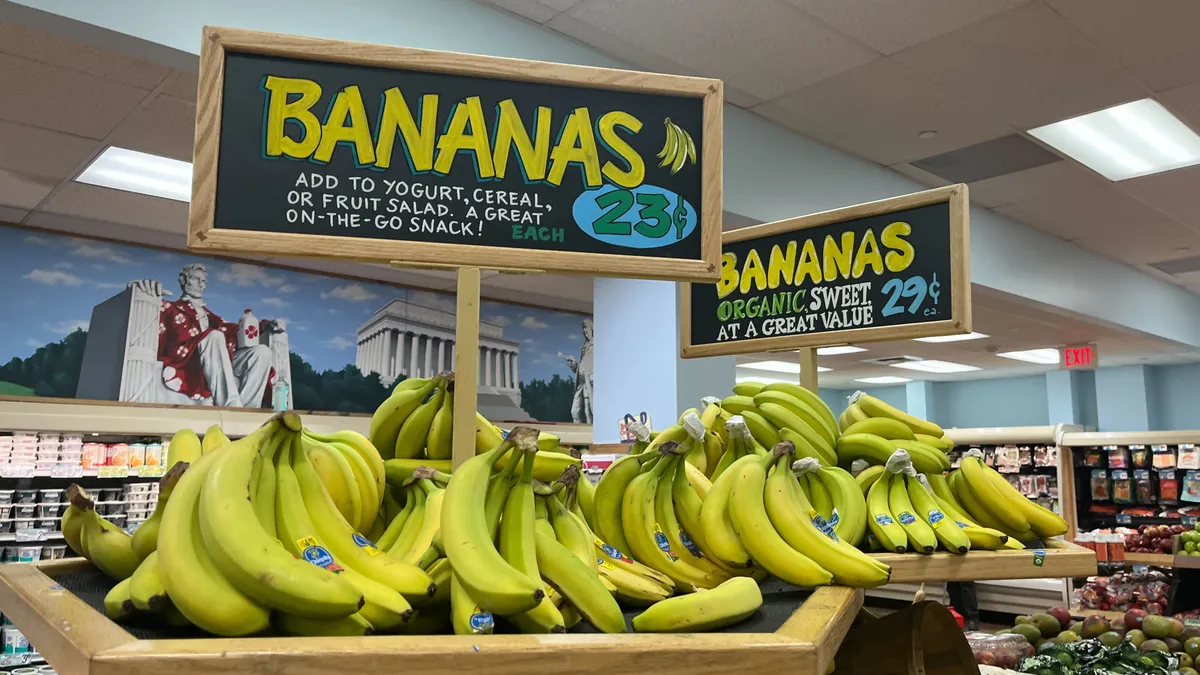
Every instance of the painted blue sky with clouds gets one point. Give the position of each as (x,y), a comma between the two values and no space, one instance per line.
(51,283)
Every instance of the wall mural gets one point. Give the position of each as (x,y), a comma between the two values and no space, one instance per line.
(97,320)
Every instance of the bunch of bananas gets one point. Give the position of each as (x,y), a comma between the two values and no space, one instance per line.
(979,494)
(413,427)
(872,430)
(678,147)
(782,411)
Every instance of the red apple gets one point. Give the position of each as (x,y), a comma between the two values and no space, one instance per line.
(1063,616)
(1133,618)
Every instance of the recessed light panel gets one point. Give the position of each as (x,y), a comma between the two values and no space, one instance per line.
(132,171)
(843,349)
(1046,357)
(935,366)
(777,366)
(952,338)
(1125,141)
(884,379)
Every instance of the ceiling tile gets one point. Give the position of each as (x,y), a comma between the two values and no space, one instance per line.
(847,111)
(22,190)
(920,175)
(164,126)
(181,85)
(1184,102)
(1172,192)
(1021,186)
(1092,213)
(1028,66)
(11,214)
(84,58)
(630,53)
(890,26)
(42,152)
(1154,39)
(1143,241)
(63,100)
(759,46)
(534,10)
(117,206)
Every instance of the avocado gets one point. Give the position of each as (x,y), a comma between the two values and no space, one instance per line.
(1156,626)
(1027,631)
(1067,636)
(1110,639)
(1154,645)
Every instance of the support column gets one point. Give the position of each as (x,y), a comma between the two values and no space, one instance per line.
(627,358)
(429,356)
(370,366)
(441,357)
(516,375)
(1123,398)
(358,355)
(450,363)
(508,382)
(399,354)
(1063,402)
(496,365)
(920,400)
(412,355)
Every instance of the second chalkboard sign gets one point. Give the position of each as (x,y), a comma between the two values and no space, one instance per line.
(887,270)
(369,152)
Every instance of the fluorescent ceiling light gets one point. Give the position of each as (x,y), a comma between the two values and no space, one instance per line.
(834,351)
(952,338)
(1046,357)
(935,366)
(765,379)
(884,379)
(777,366)
(139,172)
(1125,141)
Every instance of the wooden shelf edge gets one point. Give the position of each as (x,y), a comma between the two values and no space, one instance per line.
(1159,559)
(1061,559)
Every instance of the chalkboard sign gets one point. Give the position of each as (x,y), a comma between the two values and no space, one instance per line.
(887,270)
(337,149)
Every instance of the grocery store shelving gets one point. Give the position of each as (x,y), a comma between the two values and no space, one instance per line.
(1157,559)
(1058,559)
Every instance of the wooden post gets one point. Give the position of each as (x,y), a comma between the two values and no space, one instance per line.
(466,365)
(808,368)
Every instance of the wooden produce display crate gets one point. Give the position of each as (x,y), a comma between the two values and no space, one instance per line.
(77,639)
(1059,559)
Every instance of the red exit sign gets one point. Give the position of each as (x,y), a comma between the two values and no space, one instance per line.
(1081,357)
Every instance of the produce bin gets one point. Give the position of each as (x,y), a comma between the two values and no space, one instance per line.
(55,604)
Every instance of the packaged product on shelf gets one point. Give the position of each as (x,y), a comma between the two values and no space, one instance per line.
(52,496)
(1041,485)
(1191,487)
(1139,456)
(118,455)
(1122,487)
(1118,457)
(6,496)
(48,525)
(57,551)
(1003,651)
(48,510)
(92,456)
(1189,457)
(25,511)
(109,494)
(1100,486)
(1144,488)
(14,640)
(1164,456)
(29,553)
(26,496)
(1168,486)
(137,455)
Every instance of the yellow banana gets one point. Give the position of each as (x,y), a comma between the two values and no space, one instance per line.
(580,585)
(760,429)
(882,524)
(146,587)
(107,546)
(390,416)
(722,606)
(920,536)
(867,477)
(874,407)
(719,534)
(748,388)
(398,471)
(466,616)
(337,476)
(810,398)
(988,494)
(1043,521)
(928,454)
(945,443)
(145,538)
(353,625)
(817,495)
(800,414)
(368,489)
(855,414)
(410,440)
(884,427)
(359,444)
(631,588)
(185,446)
(849,518)
(666,519)
(947,531)
(517,546)
(438,440)
(118,605)
(214,438)
(737,403)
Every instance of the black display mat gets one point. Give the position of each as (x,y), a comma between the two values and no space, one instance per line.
(780,601)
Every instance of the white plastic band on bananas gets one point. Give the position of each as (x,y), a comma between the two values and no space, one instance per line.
(925,483)
(710,400)
(694,427)
(973,452)
(737,426)
(858,466)
(805,465)
(899,463)
(854,397)
(639,431)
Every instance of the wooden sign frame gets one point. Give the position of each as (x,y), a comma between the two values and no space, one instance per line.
(960,278)
(204,237)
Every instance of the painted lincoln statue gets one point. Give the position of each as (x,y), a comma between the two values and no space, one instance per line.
(199,350)
(581,403)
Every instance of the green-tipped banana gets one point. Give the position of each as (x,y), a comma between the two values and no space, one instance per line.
(945,443)
(725,605)
(874,407)
(606,505)
(391,414)
(146,587)
(974,473)
(145,538)
(107,545)
(887,532)
(437,442)
(884,427)
(947,531)
(517,546)
(801,413)
(719,534)
(410,440)
(185,446)
(214,438)
(760,429)
(867,477)
(580,585)
(737,403)
(920,536)
(849,504)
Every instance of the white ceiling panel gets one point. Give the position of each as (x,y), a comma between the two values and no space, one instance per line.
(877,110)
(1021,186)
(181,85)
(1175,193)
(42,152)
(74,55)
(165,126)
(1184,102)
(1154,39)
(23,191)
(762,47)
(116,206)
(1102,211)
(620,48)
(50,97)
(892,25)
(1029,66)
